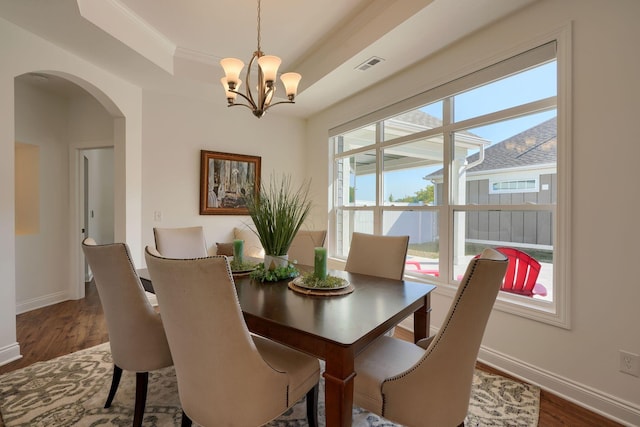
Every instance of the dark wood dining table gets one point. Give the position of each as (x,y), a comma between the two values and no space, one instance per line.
(333,328)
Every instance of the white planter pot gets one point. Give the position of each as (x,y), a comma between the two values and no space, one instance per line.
(271,262)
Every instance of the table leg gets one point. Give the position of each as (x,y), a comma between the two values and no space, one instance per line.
(422,320)
(338,393)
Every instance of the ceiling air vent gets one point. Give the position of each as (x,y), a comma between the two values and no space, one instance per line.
(374,60)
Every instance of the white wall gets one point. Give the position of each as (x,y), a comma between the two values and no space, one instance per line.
(50,121)
(42,270)
(177,128)
(90,121)
(581,363)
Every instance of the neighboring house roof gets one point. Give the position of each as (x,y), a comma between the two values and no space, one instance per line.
(422,120)
(536,145)
(417,117)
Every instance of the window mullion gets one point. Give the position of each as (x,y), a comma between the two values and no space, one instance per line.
(446,213)
(509,113)
(377,214)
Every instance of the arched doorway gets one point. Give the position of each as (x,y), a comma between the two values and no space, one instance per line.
(62,116)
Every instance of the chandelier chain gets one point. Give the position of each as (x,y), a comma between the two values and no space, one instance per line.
(259,48)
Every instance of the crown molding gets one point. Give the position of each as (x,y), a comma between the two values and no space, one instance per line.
(122,23)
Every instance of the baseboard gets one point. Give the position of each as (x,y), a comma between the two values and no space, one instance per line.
(608,406)
(43,301)
(10,353)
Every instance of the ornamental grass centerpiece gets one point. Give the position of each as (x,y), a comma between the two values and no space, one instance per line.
(278,211)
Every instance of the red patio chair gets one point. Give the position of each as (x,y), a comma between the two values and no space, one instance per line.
(418,268)
(522,273)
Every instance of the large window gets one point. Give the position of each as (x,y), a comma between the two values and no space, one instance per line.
(474,165)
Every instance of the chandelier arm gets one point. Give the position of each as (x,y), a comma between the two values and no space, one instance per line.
(249,100)
(279,102)
(265,97)
(262,96)
(249,96)
(242,105)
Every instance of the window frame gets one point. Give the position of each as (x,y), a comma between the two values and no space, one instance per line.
(556,312)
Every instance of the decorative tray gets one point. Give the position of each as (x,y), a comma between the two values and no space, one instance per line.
(300,282)
(242,269)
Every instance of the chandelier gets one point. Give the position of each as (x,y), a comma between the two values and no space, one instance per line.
(267,73)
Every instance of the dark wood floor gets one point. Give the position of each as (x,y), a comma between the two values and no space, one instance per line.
(70,326)
(59,329)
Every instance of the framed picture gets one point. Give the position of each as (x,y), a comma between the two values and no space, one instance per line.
(225,181)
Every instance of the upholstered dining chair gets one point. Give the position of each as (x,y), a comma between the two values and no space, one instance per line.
(429,384)
(303,245)
(226,375)
(382,256)
(181,242)
(136,334)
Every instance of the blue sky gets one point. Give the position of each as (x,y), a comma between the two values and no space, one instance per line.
(535,84)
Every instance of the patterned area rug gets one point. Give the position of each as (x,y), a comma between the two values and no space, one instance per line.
(71,391)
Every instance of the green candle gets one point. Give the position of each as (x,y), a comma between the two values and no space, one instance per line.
(320,263)
(238,249)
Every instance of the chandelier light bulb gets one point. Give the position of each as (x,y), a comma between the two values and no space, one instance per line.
(232,68)
(290,82)
(269,65)
(231,96)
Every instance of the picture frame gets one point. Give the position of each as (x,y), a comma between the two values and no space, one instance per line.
(225,180)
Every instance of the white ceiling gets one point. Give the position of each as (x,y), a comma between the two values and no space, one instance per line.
(176,45)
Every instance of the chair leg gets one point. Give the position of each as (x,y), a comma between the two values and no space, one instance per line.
(186,421)
(312,406)
(142,379)
(115,381)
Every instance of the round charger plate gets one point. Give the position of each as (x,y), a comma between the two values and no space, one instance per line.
(241,272)
(244,270)
(299,281)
